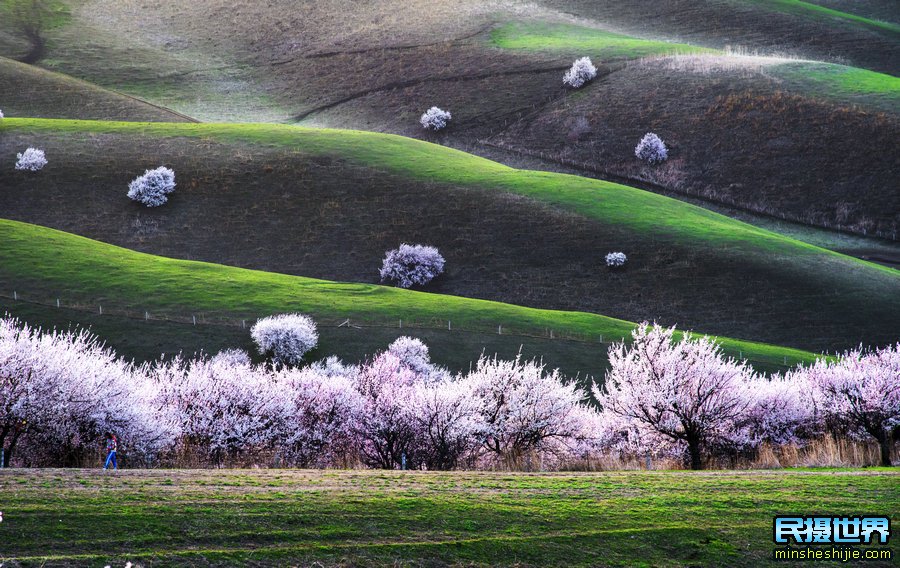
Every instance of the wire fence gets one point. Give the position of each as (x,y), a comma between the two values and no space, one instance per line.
(200,317)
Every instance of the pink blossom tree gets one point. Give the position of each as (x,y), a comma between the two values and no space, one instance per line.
(523,410)
(319,417)
(223,407)
(386,429)
(861,393)
(683,392)
(445,423)
(62,390)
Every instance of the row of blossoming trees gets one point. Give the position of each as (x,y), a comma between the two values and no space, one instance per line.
(664,395)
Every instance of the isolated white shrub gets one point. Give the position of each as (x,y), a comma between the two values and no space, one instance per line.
(152,188)
(616,259)
(652,149)
(1,113)
(286,337)
(435,119)
(412,265)
(233,357)
(31,160)
(582,71)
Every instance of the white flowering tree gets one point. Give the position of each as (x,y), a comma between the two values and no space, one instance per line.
(581,73)
(60,392)
(681,392)
(522,411)
(445,421)
(153,188)
(412,265)
(651,149)
(285,337)
(386,429)
(320,414)
(31,160)
(859,393)
(221,408)
(435,119)
(616,259)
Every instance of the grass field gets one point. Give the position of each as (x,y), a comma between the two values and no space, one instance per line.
(54,518)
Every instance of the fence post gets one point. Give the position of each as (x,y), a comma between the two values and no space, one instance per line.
(194,318)
(243,324)
(15,296)
(101,310)
(448,326)
(57,302)
(401,324)
(146,316)
(499,330)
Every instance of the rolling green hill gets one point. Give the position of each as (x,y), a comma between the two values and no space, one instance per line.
(328,203)
(46,264)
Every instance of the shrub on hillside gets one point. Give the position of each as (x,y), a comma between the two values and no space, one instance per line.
(652,149)
(31,160)
(435,119)
(412,265)
(582,72)
(286,337)
(616,259)
(152,188)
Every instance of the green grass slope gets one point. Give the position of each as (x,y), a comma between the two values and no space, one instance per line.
(56,518)
(47,264)
(570,38)
(327,204)
(26,90)
(813,10)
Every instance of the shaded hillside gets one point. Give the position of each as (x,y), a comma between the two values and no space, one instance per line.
(497,66)
(327,204)
(28,91)
(792,27)
(735,136)
(48,264)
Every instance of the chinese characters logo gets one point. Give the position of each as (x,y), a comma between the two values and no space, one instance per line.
(832,530)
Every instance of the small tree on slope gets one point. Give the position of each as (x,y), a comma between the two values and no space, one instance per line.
(153,188)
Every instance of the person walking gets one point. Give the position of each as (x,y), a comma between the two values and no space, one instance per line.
(111,445)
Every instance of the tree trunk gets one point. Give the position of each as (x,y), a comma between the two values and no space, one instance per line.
(694,451)
(885,441)
(7,456)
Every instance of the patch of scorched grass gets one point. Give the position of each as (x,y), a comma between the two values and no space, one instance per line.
(388,518)
(587,41)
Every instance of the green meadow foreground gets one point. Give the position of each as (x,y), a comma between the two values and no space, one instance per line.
(392,518)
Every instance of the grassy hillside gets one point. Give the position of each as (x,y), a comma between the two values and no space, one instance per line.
(45,264)
(327,204)
(816,158)
(600,43)
(385,518)
(497,67)
(26,90)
